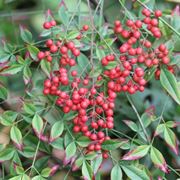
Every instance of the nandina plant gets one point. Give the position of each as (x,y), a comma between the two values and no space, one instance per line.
(83,102)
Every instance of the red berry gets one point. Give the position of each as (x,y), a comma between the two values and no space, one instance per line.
(85,27)
(53,49)
(49,42)
(47,25)
(41,55)
(158,13)
(53,23)
(76,52)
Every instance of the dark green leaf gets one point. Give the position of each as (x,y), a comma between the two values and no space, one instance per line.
(112,144)
(3,93)
(83,141)
(135,173)
(33,51)
(26,35)
(46,67)
(6,154)
(8,117)
(169,82)
(13,69)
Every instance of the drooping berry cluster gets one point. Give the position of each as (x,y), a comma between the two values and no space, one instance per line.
(93,105)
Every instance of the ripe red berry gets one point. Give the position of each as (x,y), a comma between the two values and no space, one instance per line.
(49,42)
(85,27)
(47,25)
(76,52)
(158,13)
(41,55)
(53,23)
(63,50)
(53,49)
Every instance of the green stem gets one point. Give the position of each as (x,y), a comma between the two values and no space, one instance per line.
(139,118)
(160,18)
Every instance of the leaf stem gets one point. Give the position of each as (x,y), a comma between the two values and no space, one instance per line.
(139,118)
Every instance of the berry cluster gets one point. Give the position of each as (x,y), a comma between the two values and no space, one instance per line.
(94,106)
(49,24)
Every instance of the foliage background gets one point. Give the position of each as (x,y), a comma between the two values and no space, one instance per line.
(30,14)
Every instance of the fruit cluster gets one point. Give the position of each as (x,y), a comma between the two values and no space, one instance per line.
(94,106)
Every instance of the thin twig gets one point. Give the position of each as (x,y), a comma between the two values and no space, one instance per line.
(139,118)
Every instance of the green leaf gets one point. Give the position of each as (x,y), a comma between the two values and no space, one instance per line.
(96,163)
(25,177)
(131,125)
(33,51)
(111,65)
(16,135)
(16,178)
(70,150)
(28,152)
(46,172)
(83,141)
(169,82)
(72,35)
(56,130)
(29,108)
(149,73)
(87,171)
(137,153)
(6,154)
(79,162)
(147,119)
(39,177)
(171,140)
(19,169)
(27,74)
(63,15)
(37,123)
(158,159)
(58,143)
(4,57)
(106,43)
(46,67)
(135,173)
(175,60)
(111,144)
(96,71)
(100,53)
(8,117)
(3,93)
(26,35)
(116,173)
(160,128)
(91,156)
(171,124)
(13,69)
(20,60)
(83,63)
